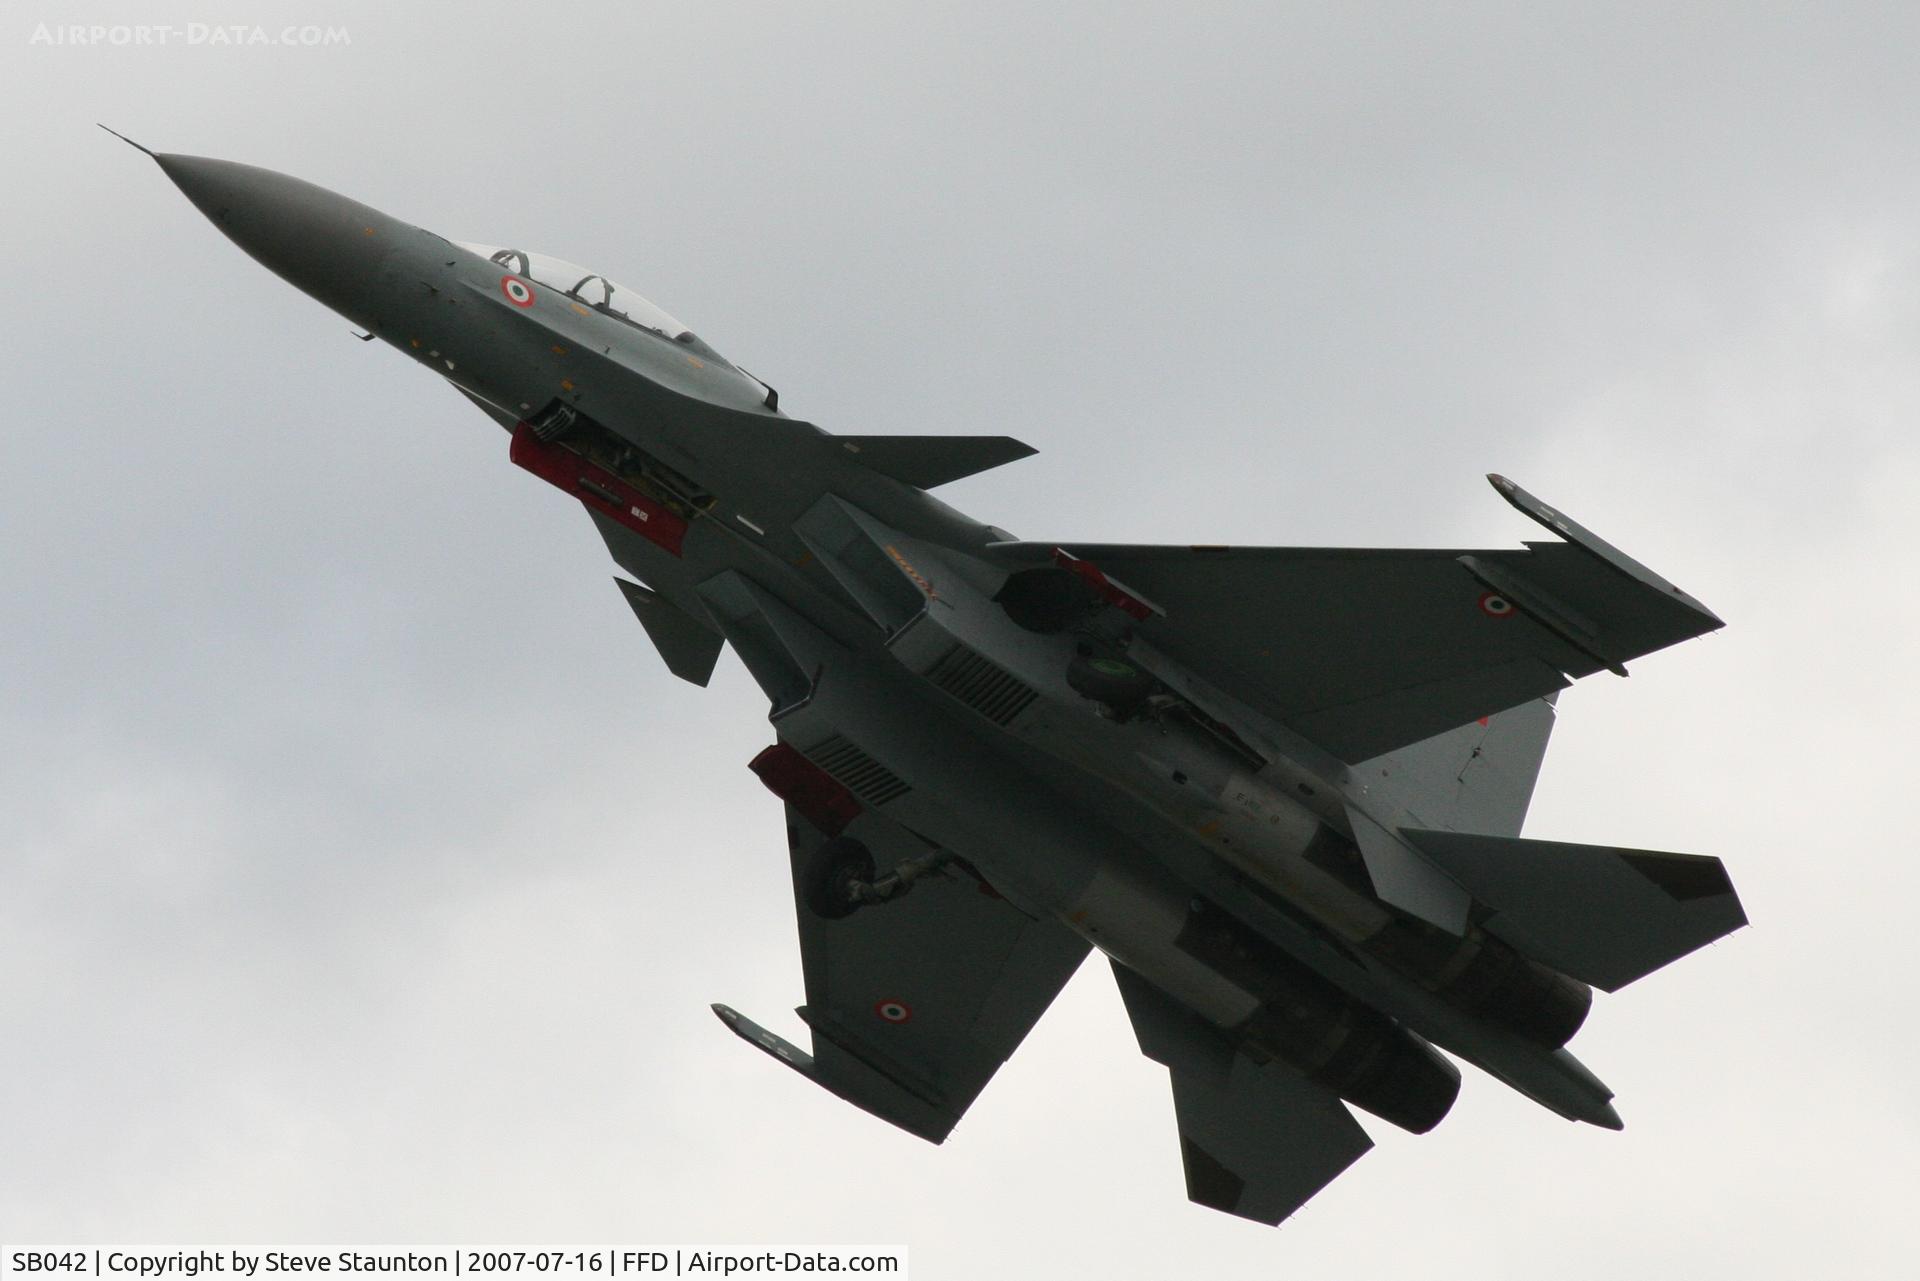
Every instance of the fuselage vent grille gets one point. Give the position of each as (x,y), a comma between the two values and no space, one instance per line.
(982,684)
(858,772)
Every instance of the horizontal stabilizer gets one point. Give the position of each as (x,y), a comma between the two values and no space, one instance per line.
(1604,916)
(1258,1139)
(927,461)
(689,646)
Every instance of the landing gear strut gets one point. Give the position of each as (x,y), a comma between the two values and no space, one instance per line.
(839,879)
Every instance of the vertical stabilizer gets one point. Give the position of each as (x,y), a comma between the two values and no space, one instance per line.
(1477,778)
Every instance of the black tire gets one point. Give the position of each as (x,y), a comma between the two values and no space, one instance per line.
(1113,681)
(828,877)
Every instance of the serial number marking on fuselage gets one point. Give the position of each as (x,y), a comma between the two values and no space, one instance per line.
(906,567)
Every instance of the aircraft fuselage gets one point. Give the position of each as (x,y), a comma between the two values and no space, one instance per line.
(1001,710)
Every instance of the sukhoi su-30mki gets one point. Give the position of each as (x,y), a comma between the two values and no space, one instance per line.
(1280,788)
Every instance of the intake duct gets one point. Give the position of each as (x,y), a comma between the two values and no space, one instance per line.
(1311,1025)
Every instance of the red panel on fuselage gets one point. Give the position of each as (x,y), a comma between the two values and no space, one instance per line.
(598,488)
(819,797)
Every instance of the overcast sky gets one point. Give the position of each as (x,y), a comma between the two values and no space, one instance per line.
(365,877)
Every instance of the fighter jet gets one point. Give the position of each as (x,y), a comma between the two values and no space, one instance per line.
(1280,789)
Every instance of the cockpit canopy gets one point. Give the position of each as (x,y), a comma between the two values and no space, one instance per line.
(587,287)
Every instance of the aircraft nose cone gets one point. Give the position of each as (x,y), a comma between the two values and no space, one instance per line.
(321,243)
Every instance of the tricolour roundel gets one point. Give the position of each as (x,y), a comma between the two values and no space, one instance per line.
(1494,605)
(894,1011)
(518,291)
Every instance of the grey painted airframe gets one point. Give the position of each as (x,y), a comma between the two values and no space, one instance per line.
(1281,789)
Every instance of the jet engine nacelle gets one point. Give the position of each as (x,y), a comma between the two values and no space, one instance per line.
(1305,1021)
(1487,976)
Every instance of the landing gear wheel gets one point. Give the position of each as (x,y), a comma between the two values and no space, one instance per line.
(1113,681)
(829,876)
